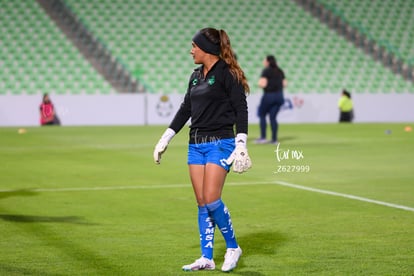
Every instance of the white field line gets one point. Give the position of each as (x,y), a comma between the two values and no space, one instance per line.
(392,205)
(188,185)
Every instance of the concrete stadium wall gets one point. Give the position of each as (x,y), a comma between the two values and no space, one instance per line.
(152,109)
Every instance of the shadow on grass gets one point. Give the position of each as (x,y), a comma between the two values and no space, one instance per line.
(12,270)
(247,273)
(286,138)
(58,243)
(44,219)
(13,193)
(261,243)
(264,243)
(281,139)
(34,219)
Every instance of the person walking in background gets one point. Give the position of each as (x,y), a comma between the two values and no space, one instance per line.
(272,80)
(216,102)
(346,107)
(47,112)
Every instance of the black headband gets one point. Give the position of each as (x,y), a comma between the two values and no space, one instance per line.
(206,45)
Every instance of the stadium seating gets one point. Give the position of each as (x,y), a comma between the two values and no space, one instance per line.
(389,24)
(37,58)
(152,38)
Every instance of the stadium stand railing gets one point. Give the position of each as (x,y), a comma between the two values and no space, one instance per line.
(93,49)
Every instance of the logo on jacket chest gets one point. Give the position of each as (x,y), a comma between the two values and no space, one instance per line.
(211,80)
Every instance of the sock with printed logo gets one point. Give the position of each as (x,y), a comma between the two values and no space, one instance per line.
(221,216)
(206,227)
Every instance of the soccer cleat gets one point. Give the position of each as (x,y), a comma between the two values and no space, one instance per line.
(231,258)
(261,141)
(200,264)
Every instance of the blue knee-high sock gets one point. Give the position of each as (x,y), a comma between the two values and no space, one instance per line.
(206,227)
(221,216)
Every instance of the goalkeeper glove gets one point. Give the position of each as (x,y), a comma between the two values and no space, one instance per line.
(240,157)
(162,144)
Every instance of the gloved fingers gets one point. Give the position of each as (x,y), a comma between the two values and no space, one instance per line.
(248,163)
(238,166)
(242,164)
(157,157)
(160,148)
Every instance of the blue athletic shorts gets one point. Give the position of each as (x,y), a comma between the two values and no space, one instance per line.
(211,152)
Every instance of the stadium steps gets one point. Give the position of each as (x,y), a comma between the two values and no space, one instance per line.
(92,49)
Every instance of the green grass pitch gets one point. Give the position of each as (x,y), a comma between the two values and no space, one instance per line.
(90,201)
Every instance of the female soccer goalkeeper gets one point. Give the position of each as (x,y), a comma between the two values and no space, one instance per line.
(216,102)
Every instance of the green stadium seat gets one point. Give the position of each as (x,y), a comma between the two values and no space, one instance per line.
(152,39)
(35,47)
(391,20)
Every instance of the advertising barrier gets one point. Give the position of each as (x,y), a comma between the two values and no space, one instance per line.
(158,109)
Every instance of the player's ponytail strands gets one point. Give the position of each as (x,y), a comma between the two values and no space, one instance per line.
(227,54)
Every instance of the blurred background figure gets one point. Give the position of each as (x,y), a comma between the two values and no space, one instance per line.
(47,112)
(346,107)
(272,80)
